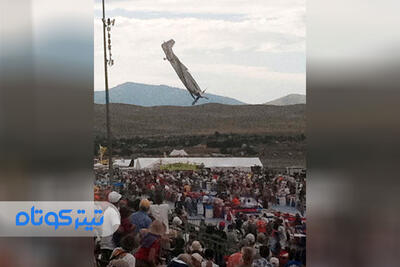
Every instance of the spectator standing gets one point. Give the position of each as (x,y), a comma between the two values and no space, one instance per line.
(247,257)
(263,260)
(209,256)
(141,219)
(111,223)
(160,210)
(148,254)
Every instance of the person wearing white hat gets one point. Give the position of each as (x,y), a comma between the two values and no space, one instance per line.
(177,221)
(111,222)
(114,197)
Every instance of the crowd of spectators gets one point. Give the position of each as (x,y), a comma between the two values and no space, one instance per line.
(202,218)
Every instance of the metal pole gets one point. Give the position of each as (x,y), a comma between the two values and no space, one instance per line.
(109,144)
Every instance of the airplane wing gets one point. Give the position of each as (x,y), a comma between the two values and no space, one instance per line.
(180,69)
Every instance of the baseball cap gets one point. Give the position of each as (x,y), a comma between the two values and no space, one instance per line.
(114,197)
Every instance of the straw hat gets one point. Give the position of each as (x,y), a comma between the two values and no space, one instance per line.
(157,228)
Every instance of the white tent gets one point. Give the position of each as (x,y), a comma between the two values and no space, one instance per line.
(178,153)
(98,165)
(212,163)
(122,163)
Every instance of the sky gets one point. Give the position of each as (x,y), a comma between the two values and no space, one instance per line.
(251,50)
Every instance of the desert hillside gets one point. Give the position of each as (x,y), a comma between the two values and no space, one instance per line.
(130,121)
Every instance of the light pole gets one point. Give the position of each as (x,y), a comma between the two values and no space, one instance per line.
(108,61)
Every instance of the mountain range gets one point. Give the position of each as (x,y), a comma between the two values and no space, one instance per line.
(291,99)
(156,95)
(162,95)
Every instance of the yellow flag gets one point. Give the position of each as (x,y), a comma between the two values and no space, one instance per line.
(102,151)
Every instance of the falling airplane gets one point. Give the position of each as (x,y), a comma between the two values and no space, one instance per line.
(182,71)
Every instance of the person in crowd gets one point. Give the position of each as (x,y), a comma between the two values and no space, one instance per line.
(194,206)
(293,260)
(124,253)
(205,200)
(274,262)
(273,241)
(179,203)
(282,233)
(251,226)
(209,259)
(235,259)
(261,241)
(196,247)
(239,222)
(227,190)
(197,259)
(263,261)
(298,220)
(177,223)
(118,263)
(140,219)
(283,257)
(134,205)
(189,206)
(247,257)
(111,223)
(261,225)
(251,240)
(150,246)
(183,260)
(126,226)
(221,230)
(160,210)
(232,235)
(179,247)
(235,202)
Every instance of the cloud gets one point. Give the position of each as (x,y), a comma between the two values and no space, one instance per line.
(253,8)
(205,44)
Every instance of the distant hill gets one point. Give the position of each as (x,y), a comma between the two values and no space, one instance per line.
(130,121)
(156,95)
(291,99)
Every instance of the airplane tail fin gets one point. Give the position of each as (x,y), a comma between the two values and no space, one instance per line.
(202,93)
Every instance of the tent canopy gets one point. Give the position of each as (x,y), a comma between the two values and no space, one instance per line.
(122,163)
(178,153)
(212,163)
